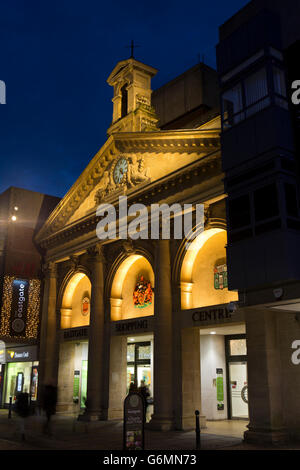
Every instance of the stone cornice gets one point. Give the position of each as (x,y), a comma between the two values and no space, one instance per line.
(168,141)
(172,142)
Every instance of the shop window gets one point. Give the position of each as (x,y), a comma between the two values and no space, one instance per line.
(18,379)
(144,352)
(130,352)
(237,347)
(266,202)
(239,212)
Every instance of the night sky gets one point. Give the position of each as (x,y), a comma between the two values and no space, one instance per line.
(55,57)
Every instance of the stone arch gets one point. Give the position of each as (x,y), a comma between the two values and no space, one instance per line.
(126,275)
(197,270)
(75,288)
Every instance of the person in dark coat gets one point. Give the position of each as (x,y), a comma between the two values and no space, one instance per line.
(144,391)
(49,405)
(22,409)
(133,388)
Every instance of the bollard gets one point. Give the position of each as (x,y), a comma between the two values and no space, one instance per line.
(198,440)
(9,407)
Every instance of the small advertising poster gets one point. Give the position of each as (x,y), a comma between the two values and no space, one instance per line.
(20,288)
(134,418)
(220,389)
(34,383)
(76,384)
(2,353)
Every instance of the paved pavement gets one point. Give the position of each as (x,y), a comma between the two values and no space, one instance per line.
(70,434)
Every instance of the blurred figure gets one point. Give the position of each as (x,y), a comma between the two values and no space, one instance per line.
(49,405)
(132,388)
(22,409)
(144,391)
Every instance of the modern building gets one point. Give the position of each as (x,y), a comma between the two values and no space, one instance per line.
(257,64)
(22,213)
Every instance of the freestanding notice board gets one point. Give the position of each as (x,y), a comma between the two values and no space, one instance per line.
(134,419)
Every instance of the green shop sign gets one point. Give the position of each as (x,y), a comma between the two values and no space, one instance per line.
(220,389)
(76,386)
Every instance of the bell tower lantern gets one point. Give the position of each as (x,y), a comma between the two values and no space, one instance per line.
(132,110)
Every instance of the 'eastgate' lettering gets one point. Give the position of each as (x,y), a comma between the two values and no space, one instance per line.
(21,300)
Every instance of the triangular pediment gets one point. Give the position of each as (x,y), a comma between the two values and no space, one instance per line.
(129,63)
(125,163)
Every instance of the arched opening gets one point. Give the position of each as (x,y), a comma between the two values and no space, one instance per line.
(75,306)
(132,289)
(203,278)
(124,101)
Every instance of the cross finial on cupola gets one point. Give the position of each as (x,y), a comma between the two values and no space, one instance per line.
(132,46)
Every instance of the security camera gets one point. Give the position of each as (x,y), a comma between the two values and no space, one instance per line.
(231,307)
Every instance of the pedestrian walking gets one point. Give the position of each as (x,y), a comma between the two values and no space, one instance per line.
(22,409)
(144,391)
(49,406)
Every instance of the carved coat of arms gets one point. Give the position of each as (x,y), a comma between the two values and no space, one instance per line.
(143,293)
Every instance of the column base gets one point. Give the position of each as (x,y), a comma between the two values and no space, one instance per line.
(189,422)
(89,416)
(266,437)
(115,414)
(160,423)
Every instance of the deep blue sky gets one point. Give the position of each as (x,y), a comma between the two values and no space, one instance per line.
(55,57)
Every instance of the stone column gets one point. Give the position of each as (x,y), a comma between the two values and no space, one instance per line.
(163,417)
(190,378)
(97,405)
(117,376)
(48,357)
(264,377)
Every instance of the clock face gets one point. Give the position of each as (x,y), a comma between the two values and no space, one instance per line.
(120,170)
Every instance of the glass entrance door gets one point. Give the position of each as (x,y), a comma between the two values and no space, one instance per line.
(238,389)
(237,383)
(139,364)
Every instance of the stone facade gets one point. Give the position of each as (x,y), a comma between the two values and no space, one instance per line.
(178,167)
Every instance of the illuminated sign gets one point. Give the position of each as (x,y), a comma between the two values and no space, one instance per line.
(21,354)
(134,419)
(18,318)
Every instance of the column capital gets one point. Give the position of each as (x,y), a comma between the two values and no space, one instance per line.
(128,247)
(50,269)
(96,253)
(74,261)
